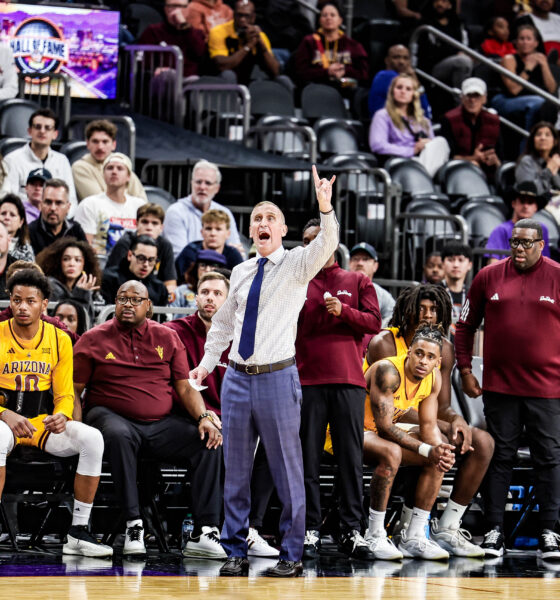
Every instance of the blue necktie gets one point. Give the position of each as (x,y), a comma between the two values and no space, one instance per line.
(247,341)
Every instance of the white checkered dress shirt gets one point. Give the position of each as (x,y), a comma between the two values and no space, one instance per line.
(283,291)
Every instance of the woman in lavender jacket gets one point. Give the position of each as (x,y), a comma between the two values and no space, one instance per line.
(401,129)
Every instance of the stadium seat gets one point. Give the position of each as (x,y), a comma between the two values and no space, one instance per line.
(505,179)
(415,181)
(281,140)
(319,101)
(74,150)
(461,180)
(481,218)
(10,144)
(338,136)
(14,117)
(270,98)
(159,196)
(546,218)
(138,16)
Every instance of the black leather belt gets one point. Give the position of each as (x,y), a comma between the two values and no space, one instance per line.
(259,369)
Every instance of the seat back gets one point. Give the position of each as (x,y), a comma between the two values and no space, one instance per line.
(159,196)
(336,136)
(319,101)
(10,144)
(411,175)
(545,218)
(14,117)
(461,178)
(472,408)
(270,98)
(505,178)
(74,150)
(482,218)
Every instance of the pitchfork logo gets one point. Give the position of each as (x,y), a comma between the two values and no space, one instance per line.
(39,46)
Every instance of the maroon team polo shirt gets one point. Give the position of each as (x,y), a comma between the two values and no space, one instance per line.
(192,332)
(130,371)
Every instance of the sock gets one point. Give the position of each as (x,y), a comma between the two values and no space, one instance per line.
(418,523)
(376,522)
(81,512)
(451,517)
(134,522)
(406,515)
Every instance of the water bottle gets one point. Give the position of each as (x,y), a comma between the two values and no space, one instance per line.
(186,529)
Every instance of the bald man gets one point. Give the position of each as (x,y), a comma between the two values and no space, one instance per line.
(129,368)
(397,62)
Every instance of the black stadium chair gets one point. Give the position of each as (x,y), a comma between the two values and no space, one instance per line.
(270,98)
(159,196)
(461,180)
(14,117)
(74,150)
(138,16)
(482,218)
(505,179)
(10,144)
(319,101)
(338,136)
(546,218)
(415,181)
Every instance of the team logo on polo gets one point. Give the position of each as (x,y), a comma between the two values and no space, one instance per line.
(39,46)
(159,350)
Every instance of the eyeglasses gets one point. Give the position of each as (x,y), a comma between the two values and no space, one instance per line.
(144,259)
(527,244)
(39,127)
(134,301)
(205,182)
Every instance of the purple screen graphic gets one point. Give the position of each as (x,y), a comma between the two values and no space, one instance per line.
(82,43)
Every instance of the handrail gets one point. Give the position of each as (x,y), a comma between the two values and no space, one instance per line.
(424,29)
(457,92)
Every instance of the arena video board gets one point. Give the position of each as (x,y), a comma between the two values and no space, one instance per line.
(81,42)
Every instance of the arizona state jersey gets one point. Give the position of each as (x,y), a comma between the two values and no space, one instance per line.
(401,401)
(400,345)
(37,365)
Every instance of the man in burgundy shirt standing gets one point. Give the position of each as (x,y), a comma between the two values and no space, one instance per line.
(129,367)
(519,300)
(340,308)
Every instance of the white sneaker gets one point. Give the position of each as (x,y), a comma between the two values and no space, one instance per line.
(81,542)
(456,541)
(206,545)
(134,540)
(421,547)
(257,546)
(382,547)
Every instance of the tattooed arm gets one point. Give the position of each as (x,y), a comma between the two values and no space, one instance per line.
(383,381)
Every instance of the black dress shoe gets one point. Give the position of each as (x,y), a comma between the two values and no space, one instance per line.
(285,568)
(235,566)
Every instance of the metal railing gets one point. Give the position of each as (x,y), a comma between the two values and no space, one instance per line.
(415,235)
(48,90)
(154,76)
(296,141)
(218,110)
(125,143)
(425,29)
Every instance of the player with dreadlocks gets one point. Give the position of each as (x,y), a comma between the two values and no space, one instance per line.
(430,304)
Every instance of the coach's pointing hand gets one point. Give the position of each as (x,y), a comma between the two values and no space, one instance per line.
(323,190)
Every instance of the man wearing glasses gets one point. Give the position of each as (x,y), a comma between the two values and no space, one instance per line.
(526,202)
(129,367)
(43,130)
(519,300)
(139,264)
(183,223)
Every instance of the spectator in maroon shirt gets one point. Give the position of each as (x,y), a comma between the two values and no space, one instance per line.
(129,367)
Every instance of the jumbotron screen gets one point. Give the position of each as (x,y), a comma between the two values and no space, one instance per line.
(81,42)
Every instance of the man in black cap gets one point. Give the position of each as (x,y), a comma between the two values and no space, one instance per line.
(34,190)
(526,202)
(53,222)
(363,258)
